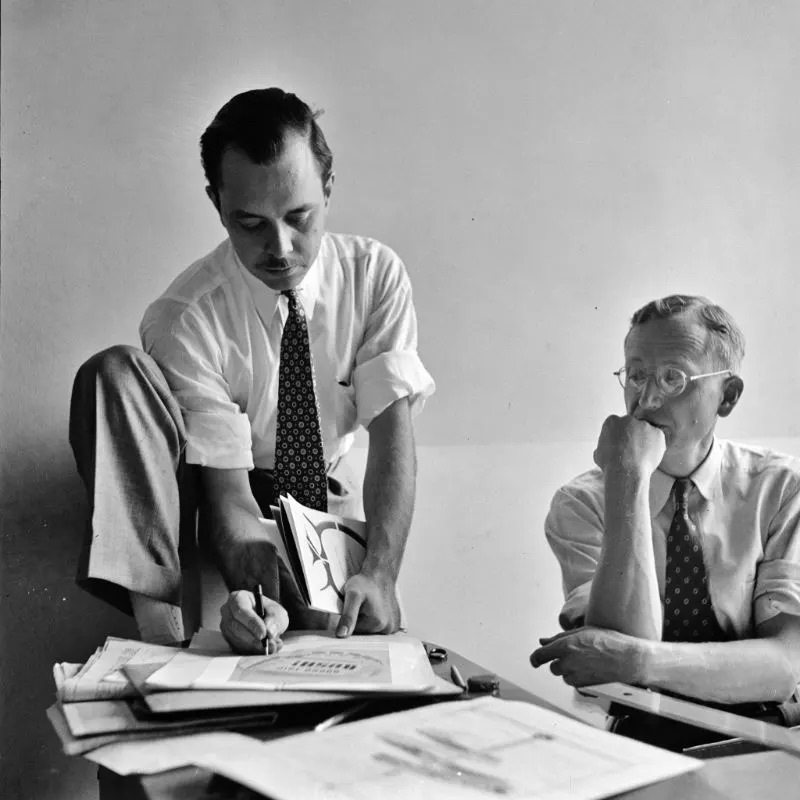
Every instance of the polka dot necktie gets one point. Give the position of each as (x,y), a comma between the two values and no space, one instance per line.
(299,459)
(688,614)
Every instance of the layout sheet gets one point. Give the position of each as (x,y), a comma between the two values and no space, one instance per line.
(308,661)
(475,749)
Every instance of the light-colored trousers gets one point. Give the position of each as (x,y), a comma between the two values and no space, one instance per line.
(128,437)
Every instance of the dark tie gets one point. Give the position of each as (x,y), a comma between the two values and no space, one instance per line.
(688,614)
(299,459)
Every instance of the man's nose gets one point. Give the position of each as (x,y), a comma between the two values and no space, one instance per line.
(280,242)
(651,396)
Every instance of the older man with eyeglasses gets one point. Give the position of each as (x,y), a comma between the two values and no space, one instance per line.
(680,552)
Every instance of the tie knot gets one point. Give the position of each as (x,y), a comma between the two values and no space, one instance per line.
(290,294)
(682,488)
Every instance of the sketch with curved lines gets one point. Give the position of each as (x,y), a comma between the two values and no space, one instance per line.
(330,549)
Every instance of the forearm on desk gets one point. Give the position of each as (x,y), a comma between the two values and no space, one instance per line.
(624,594)
(751,670)
(389,490)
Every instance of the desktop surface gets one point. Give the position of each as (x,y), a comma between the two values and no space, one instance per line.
(763,775)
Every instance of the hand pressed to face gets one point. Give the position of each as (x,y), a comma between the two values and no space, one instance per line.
(370,606)
(629,445)
(588,655)
(687,420)
(245,631)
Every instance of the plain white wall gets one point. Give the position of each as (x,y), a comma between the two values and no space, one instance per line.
(542,167)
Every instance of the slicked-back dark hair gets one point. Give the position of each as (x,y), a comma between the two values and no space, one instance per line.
(257,123)
(727,339)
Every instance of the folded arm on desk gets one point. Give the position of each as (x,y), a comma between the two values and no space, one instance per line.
(762,669)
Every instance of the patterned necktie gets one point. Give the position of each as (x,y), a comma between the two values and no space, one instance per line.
(299,459)
(688,614)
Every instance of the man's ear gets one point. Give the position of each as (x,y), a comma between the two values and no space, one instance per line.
(731,392)
(214,198)
(327,188)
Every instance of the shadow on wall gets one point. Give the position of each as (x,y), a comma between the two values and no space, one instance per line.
(45,618)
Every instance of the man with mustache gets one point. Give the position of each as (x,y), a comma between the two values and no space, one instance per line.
(680,552)
(260,362)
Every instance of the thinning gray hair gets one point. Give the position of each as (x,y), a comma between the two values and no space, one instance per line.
(726,337)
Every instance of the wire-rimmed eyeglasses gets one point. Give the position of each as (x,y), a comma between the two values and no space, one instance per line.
(670,381)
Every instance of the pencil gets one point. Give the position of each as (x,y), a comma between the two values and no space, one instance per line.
(455,676)
(259,595)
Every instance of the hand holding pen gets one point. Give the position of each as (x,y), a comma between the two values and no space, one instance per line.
(252,623)
(272,638)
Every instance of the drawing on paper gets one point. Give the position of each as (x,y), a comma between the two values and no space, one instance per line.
(346,557)
(314,665)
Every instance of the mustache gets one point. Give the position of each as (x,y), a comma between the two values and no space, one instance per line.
(280,263)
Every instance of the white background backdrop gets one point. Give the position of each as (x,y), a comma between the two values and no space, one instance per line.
(543,168)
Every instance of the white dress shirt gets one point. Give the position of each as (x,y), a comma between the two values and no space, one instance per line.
(216,334)
(745,504)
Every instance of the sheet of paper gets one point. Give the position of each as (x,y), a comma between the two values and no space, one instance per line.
(159,755)
(96,717)
(118,728)
(77,745)
(310,662)
(475,749)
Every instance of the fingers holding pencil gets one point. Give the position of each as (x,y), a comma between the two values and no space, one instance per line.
(272,614)
(253,624)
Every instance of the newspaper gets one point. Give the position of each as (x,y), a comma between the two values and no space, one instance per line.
(101,677)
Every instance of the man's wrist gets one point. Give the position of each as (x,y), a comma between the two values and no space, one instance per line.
(630,476)
(379,573)
(234,557)
(645,654)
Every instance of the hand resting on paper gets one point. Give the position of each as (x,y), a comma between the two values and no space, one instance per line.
(370,606)
(585,656)
(245,631)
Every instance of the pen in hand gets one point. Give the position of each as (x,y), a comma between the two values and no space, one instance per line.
(271,644)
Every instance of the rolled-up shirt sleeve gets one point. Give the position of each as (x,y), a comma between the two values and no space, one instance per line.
(574,530)
(777,587)
(387,365)
(181,342)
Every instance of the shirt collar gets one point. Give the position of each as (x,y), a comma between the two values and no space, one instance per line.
(706,479)
(267,300)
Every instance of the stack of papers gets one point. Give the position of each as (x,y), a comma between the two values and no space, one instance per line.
(476,749)
(130,691)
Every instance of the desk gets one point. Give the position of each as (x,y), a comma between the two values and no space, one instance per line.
(763,775)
